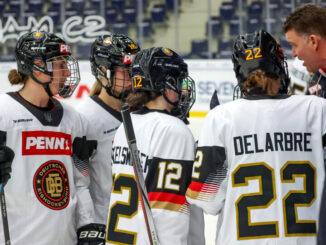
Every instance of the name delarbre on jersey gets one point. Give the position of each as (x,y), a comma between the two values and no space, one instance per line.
(277,141)
(46,143)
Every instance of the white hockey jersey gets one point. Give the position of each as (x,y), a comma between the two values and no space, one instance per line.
(259,164)
(166,151)
(46,196)
(104,122)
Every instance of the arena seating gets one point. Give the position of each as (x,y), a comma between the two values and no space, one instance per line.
(121,17)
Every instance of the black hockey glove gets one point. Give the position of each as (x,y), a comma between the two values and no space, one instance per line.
(83,148)
(91,234)
(6,157)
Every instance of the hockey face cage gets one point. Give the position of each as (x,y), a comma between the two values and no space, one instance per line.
(120,87)
(259,51)
(110,52)
(64,74)
(187,97)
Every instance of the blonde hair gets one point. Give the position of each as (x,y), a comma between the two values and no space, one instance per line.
(138,99)
(260,79)
(97,87)
(16,77)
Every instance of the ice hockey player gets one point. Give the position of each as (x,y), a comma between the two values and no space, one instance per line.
(164,91)
(110,59)
(47,198)
(259,161)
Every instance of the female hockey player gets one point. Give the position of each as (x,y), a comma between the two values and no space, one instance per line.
(111,56)
(259,159)
(46,196)
(164,91)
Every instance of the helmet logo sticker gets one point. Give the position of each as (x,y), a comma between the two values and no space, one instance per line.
(38,35)
(167,51)
(138,82)
(253,53)
(107,41)
(64,48)
(132,46)
(128,58)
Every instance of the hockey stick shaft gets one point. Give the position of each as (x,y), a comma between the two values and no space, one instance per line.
(5,225)
(138,170)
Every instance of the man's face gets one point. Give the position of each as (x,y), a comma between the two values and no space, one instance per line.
(303,48)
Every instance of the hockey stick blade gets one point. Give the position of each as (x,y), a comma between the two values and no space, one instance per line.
(138,170)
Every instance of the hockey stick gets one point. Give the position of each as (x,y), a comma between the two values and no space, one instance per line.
(138,170)
(3,136)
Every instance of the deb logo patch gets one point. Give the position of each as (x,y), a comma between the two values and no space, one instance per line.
(51,185)
(128,58)
(64,48)
(46,143)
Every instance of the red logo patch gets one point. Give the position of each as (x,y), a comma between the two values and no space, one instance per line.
(46,143)
(128,58)
(64,48)
(51,185)
(314,89)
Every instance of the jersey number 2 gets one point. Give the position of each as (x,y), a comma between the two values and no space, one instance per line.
(123,210)
(292,200)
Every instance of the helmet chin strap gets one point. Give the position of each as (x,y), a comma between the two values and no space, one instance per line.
(175,104)
(46,85)
(122,96)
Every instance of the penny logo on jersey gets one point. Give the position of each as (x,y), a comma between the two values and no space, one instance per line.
(51,185)
(46,143)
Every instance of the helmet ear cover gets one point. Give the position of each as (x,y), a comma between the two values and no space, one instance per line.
(259,51)
(37,50)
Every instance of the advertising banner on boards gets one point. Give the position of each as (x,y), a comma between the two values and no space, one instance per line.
(209,75)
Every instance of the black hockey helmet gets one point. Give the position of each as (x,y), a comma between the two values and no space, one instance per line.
(317,83)
(157,69)
(259,51)
(110,51)
(46,48)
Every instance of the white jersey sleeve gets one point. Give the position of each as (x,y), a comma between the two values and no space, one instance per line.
(165,147)
(104,122)
(259,164)
(210,166)
(85,206)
